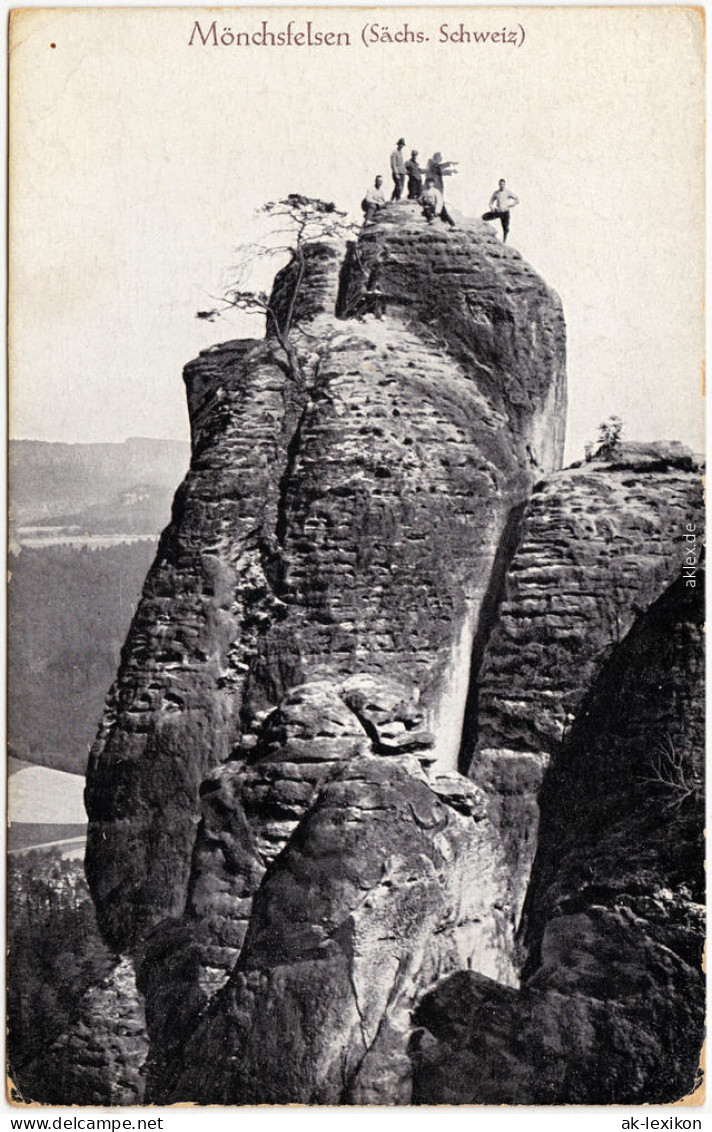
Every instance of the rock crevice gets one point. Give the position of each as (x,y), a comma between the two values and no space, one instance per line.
(613,926)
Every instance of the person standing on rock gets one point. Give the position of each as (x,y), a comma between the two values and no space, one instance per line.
(500,204)
(436,170)
(375,198)
(398,169)
(415,176)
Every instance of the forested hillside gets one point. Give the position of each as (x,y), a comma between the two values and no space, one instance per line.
(56,956)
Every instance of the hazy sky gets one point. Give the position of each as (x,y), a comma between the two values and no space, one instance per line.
(138,162)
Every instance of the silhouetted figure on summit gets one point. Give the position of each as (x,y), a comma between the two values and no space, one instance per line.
(437,169)
(500,204)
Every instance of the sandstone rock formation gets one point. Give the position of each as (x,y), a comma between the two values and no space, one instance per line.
(387,884)
(280,836)
(100,1061)
(324,534)
(349,527)
(611,1007)
(597,544)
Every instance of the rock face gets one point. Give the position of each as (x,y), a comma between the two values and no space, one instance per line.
(386,885)
(349,526)
(100,1060)
(597,544)
(313,603)
(484,306)
(611,1007)
(358,596)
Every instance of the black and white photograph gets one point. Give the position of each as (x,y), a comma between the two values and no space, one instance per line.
(355,634)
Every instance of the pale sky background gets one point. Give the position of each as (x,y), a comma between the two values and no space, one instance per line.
(137,163)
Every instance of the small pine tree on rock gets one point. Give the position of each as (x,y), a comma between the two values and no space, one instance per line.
(609,436)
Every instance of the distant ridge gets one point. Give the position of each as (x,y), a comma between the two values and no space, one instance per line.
(84,521)
(49,479)
(23,837)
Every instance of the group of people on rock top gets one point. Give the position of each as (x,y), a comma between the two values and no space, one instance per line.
(427,187)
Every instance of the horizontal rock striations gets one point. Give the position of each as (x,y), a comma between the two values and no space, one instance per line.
(343,525)
(251,806)
(597,544)
(611,1007)
(375,577)
(174,710)
(375,574)
(481,304)
(278,832)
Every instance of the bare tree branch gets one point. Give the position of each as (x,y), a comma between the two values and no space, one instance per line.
(310,220)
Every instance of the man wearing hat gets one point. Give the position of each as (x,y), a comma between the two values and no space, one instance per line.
(398,169)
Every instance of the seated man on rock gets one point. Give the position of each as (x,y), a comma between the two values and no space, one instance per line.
(374,200)
(433,205)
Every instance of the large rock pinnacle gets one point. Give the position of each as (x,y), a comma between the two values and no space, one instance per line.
(348,527)
(302,652)
(378,576)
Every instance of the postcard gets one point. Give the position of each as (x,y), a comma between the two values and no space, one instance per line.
(356,649)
